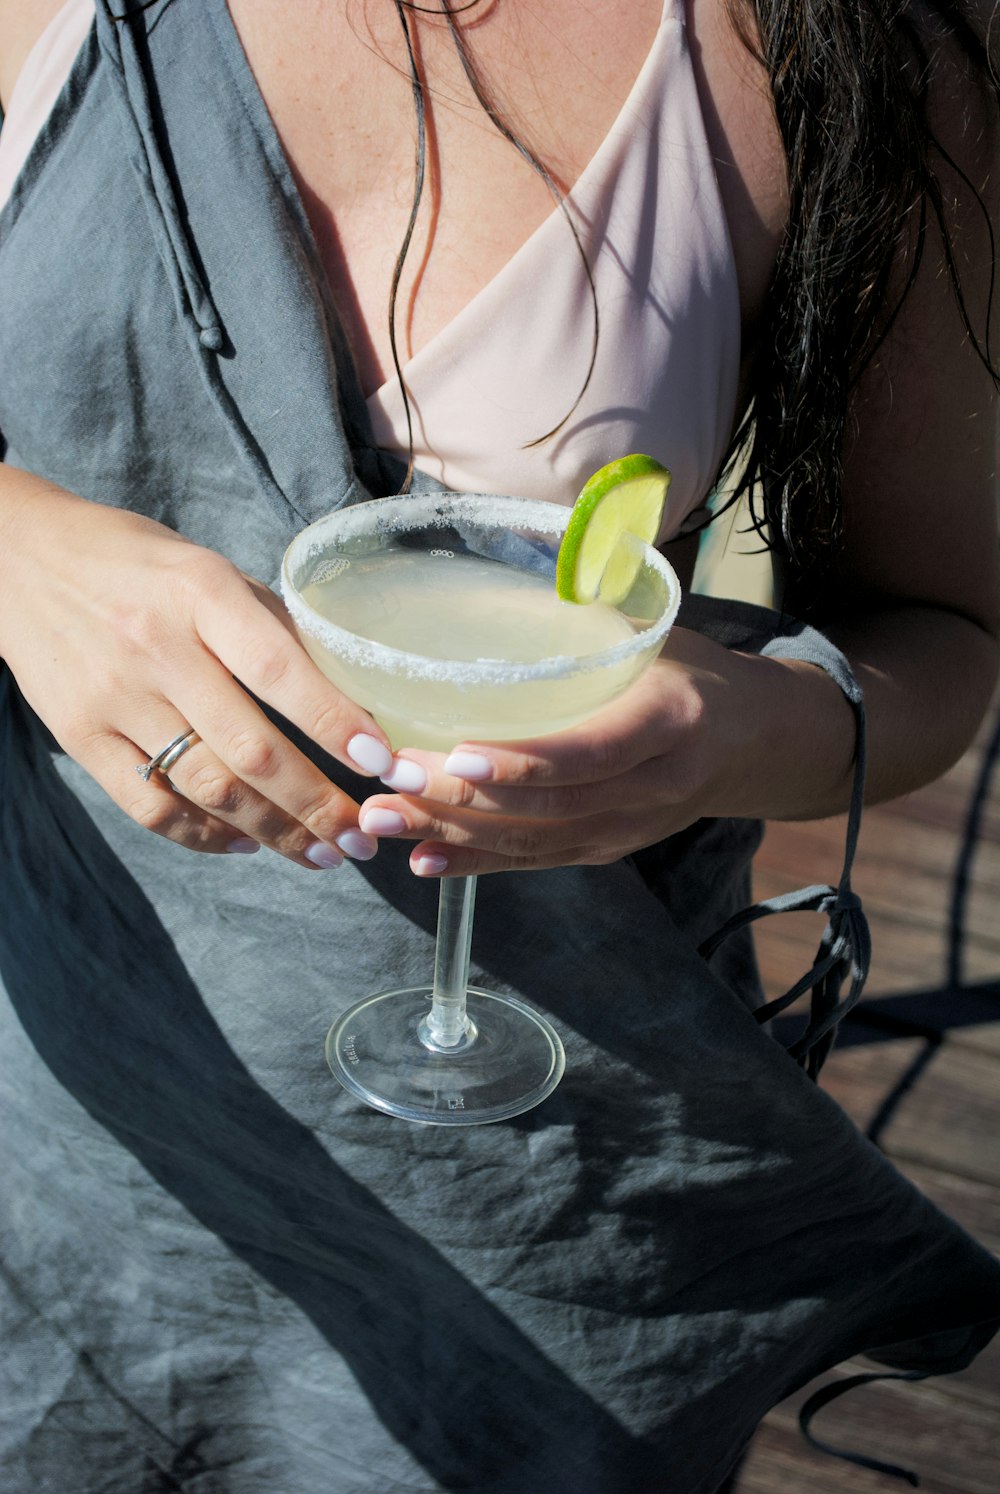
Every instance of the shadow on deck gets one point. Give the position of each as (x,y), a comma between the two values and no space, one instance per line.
(917,1066)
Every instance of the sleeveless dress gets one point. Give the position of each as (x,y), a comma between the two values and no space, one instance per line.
(221,1272)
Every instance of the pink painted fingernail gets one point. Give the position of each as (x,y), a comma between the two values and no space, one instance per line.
(381,821)
(323,855)
(243,845)
(430,865)
(369,754)
(406,776)
(470,765)
(359,847)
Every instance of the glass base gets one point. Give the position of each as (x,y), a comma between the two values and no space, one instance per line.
(510,1059)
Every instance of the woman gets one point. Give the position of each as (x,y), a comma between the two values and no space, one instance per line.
(224,1267)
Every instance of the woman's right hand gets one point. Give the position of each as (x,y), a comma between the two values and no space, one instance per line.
(121,634)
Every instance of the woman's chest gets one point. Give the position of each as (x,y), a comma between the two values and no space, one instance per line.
(345,86)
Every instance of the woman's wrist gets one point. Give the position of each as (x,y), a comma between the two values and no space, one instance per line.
(27,503)
(782,735)
(805,739)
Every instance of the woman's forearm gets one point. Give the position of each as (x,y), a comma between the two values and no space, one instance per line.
(927,675)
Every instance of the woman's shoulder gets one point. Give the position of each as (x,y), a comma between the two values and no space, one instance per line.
(22,23)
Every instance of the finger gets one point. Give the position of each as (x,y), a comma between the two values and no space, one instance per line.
(651,782)
(403,819)
(433,859)
(206,782)
(257,647)
(517,841)
(112,760)
(642,724)
(248,751)
(213,775)
(203,780)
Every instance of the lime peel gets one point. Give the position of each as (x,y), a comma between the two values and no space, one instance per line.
(596,560)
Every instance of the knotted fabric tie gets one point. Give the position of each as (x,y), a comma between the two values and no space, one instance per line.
(844,953)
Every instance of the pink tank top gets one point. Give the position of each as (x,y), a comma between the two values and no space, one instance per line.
(508,367)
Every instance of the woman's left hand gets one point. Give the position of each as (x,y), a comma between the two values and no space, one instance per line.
(694,735)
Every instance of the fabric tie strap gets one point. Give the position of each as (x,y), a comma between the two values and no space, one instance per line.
(844,951)
(829,1393)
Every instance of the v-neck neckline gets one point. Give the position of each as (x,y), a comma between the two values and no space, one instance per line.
(552,223)
(451,328)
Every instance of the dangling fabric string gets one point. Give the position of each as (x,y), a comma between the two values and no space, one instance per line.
(830,1393)
(194,300)
(844,951)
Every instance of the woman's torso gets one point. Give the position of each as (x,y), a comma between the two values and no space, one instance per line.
(336,85)
(560,73)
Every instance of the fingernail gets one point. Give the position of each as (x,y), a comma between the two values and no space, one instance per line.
(369,753)
(354,844)
(242,846)
(323,855)
(381,822)
(429,865)
(407,776)
(469,765)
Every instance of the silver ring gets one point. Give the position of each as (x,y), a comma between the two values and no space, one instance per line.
(165,759)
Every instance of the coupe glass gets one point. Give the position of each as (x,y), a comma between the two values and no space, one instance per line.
(399,603)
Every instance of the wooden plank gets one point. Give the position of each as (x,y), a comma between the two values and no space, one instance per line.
(952,1443)
(781,1462)
(903,881)
(861,1078)
(964,1018)
(948,802)
(909,960)
(949,1119)
(973,1204)
(943,1436)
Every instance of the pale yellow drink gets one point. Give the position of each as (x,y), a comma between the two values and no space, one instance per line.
(470,613)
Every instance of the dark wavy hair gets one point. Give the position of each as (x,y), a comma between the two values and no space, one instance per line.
(867,176)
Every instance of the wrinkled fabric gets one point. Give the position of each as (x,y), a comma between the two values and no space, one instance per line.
(221,1272)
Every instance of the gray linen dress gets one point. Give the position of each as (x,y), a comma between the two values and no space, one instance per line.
(221,1273)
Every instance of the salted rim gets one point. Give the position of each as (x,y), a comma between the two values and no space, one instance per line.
(437,510)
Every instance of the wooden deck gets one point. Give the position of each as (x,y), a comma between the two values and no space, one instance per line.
(920,1071)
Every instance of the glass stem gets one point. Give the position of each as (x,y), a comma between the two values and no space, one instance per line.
(447,1025)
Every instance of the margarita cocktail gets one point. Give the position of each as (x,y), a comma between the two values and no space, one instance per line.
(438,614)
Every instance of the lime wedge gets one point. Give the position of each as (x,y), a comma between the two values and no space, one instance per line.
(595,560)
